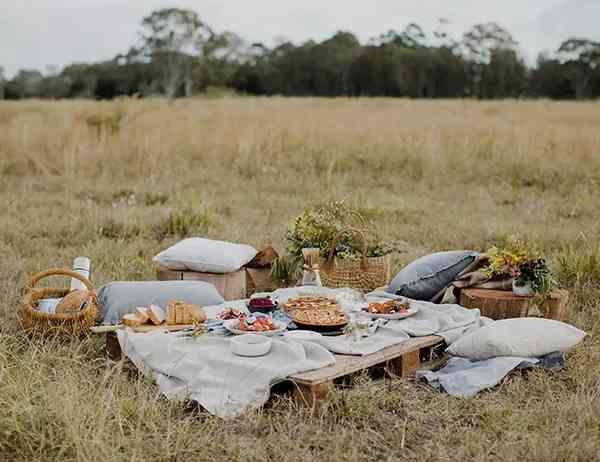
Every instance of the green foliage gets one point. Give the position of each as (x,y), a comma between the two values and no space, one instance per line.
(579,266)
(188,221)
(155,198)
(179,54)
(320,226)
(286,269)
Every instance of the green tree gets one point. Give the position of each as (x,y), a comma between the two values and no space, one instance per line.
(581,58)
(172,37)
(1,83)
(478,45)
(504,76)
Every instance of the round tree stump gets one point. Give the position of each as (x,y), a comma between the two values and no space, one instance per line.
(502,304)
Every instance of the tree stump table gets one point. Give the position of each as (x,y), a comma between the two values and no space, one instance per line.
(502,304)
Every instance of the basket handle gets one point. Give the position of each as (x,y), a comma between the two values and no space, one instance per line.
(61,272)
(355,231)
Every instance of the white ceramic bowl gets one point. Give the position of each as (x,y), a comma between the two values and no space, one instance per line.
(250,345)
(307,335)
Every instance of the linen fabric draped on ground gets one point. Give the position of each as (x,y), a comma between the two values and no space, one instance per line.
(206,371)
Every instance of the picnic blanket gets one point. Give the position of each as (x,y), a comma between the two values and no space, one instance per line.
(205,370)
(464,377)
(449,321)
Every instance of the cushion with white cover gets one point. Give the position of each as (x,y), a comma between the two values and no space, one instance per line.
(123,297)
(522,337)
(205,256)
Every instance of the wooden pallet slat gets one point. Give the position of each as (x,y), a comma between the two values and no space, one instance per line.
(345,364)
(312,388)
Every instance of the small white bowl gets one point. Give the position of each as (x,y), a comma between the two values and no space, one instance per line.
(250,345)
(307,335)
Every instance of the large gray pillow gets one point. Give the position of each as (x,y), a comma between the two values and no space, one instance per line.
(425,277)
(119,298)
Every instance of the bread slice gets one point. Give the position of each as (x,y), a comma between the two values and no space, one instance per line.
(171,314)
(179,314)
(156,315)
(131,320)
(142,313)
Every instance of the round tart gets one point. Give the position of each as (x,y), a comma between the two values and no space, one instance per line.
(311,303)
(320,318)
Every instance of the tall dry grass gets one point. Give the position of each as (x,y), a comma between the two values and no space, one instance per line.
(119,181)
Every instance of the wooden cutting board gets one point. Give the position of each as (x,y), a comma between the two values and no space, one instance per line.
(170,327)
(145,328)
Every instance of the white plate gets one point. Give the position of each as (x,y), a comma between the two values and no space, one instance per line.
(232,324)
(394,316)
(250,345)
(307,335)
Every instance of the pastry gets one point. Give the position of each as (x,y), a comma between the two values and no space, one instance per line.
(324,317)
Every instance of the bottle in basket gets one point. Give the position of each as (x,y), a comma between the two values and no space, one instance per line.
(311,276)
(81,265)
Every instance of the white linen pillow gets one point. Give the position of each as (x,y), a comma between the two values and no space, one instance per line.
(206,256)
(522,337)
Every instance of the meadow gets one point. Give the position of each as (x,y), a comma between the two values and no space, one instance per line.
(119,181)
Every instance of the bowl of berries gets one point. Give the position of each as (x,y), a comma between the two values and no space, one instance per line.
(261,303)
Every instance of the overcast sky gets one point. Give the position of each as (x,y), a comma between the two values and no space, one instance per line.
(41,33)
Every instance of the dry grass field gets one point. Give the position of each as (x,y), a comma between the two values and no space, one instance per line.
(118,181)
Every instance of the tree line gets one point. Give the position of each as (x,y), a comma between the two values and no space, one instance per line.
(178,54)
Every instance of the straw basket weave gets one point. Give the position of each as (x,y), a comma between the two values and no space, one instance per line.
(73,324)
(365,274)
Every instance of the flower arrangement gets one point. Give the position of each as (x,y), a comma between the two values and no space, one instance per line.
(523,264)
(318,227)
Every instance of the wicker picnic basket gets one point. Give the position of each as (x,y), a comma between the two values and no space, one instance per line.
(73,324)
(365,274)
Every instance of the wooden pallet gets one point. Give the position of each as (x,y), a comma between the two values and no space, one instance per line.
(403,360)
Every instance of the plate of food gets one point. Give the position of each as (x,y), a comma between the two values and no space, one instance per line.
(311,302)
(392,309)
(320,319)
(264,325)
(230,313)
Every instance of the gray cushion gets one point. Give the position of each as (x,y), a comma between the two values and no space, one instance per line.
(119,298)
(425,277)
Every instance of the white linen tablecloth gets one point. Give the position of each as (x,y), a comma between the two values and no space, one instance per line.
(205,370)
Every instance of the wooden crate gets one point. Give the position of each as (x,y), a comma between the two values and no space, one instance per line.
(259,280)
(502,304)
(231,286)
(403,360)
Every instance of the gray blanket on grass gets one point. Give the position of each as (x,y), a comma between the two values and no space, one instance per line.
(464,377)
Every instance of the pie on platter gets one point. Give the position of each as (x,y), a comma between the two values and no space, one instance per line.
(310,303)
(321,318)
